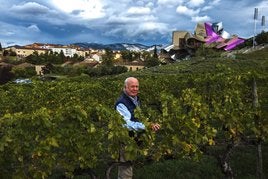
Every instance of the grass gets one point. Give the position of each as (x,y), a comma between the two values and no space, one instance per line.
(243,159)
(205,168)
(243,162)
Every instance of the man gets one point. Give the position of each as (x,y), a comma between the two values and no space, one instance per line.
(125,105)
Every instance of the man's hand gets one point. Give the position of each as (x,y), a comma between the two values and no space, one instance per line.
(155,126)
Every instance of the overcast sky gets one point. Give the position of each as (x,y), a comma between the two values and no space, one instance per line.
(147,22)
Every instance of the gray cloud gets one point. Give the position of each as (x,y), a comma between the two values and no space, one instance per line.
(31,8)
(195,3)
(120,20)
(186,11)
(34,28)
(138,10)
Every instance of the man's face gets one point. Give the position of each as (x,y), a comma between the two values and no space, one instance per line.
(132,87)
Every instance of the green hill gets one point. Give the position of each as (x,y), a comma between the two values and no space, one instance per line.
(181,74)
(204,105)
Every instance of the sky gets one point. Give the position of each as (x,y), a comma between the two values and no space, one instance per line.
(147,22)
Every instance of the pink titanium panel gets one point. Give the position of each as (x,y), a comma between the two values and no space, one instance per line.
(211,35)
(214,37)
(208,28)
(233,44)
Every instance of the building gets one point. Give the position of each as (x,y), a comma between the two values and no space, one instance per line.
(210,35)
(41,46)
(132,66)
(26,51)
(68,52)
(96,56)
(39,69)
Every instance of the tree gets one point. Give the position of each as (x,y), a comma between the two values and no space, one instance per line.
(61,57)
(5,53)
(152,61)
(27,72)
(155,52)
(126,55)
(262,37)
(48,68)
(206,52)
(77,58)
(5,74)
(12,53)
(107,58)
(119,69)
(130,56)
(33,58)
(145,55)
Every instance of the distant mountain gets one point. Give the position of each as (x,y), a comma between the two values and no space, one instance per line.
(115,46)
(15,46)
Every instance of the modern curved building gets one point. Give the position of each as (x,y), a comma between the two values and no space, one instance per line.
(209,34)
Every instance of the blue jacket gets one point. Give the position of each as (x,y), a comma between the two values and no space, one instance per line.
(126,106)
(124,99)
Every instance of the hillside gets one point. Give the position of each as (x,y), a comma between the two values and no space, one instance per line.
(115,46)
(205,108)
(176,76)
(254,61)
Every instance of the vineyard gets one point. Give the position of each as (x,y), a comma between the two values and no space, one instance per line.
(205,107)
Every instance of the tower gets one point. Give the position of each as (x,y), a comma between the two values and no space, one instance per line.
(1,51)
(255,22)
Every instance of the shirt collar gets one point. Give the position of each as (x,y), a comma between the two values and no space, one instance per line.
(133,99)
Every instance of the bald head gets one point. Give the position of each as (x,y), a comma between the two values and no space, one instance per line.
(130,80)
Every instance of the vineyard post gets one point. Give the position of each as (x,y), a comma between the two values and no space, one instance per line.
(259,147)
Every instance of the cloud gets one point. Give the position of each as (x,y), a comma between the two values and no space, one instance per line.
(169,2)
(123,20)
(263,8)
(6,32)
(20,35)
(138,10)
(201,19)
(33,28)
(195,3)
(186,11)
(211,5)
(142,31)
(154,27)
(32,8)
(120,20)
(81,8)
(33,12)
(150,5)
(140,3)
(215,2)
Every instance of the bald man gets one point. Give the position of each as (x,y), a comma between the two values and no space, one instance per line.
(125,105)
